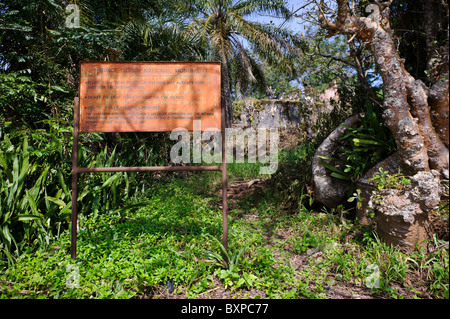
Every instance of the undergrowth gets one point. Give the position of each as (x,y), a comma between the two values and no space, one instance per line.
(175,232)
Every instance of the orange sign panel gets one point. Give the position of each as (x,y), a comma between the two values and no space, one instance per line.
(149,96)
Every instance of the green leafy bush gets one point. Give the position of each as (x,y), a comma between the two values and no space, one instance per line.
(366,145)
(230,273)
(384,181)
(34,199)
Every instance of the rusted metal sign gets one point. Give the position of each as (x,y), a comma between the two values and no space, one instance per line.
(149,96)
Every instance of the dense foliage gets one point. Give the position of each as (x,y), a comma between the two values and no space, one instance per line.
(39,77)
(39,56)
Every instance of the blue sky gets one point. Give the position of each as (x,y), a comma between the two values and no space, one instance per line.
(293,24)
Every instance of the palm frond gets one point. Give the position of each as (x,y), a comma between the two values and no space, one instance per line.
(275,8)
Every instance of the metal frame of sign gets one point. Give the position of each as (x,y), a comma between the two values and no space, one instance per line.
(78,170)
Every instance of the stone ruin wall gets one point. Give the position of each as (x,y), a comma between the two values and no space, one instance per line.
(292,110)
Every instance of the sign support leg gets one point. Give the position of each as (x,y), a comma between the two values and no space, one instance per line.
(224,202)
(73,244)
(224,184)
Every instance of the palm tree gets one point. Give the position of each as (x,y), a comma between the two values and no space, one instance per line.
(224,27)
(159,38)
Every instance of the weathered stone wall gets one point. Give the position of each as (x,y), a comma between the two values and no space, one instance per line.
(291,110)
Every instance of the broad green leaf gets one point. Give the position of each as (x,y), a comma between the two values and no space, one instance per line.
(26,217)
(346,136)
(365,136)
(347,127)
(3,162)
(40,181)
(340,176)
(361,149)
(110,180)
(25,161)
(65,211)
(331,158)
(111,157)
(31,202)
(7,235)
(55,200)
(358,141)
(16,168)
(15,185)
(58,88)
(62,182)
(332,168)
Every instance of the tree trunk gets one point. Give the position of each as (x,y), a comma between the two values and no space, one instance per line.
(226,92)
(437,67)
(439,108)
(406,100)
(410,143)
(328,190)
(416,115)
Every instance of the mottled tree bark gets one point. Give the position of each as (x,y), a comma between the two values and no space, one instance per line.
(437,65)
(406,101)
(416,115)
(438,99)
(328,190)
(226,91)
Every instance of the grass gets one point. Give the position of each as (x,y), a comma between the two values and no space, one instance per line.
(177,235)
